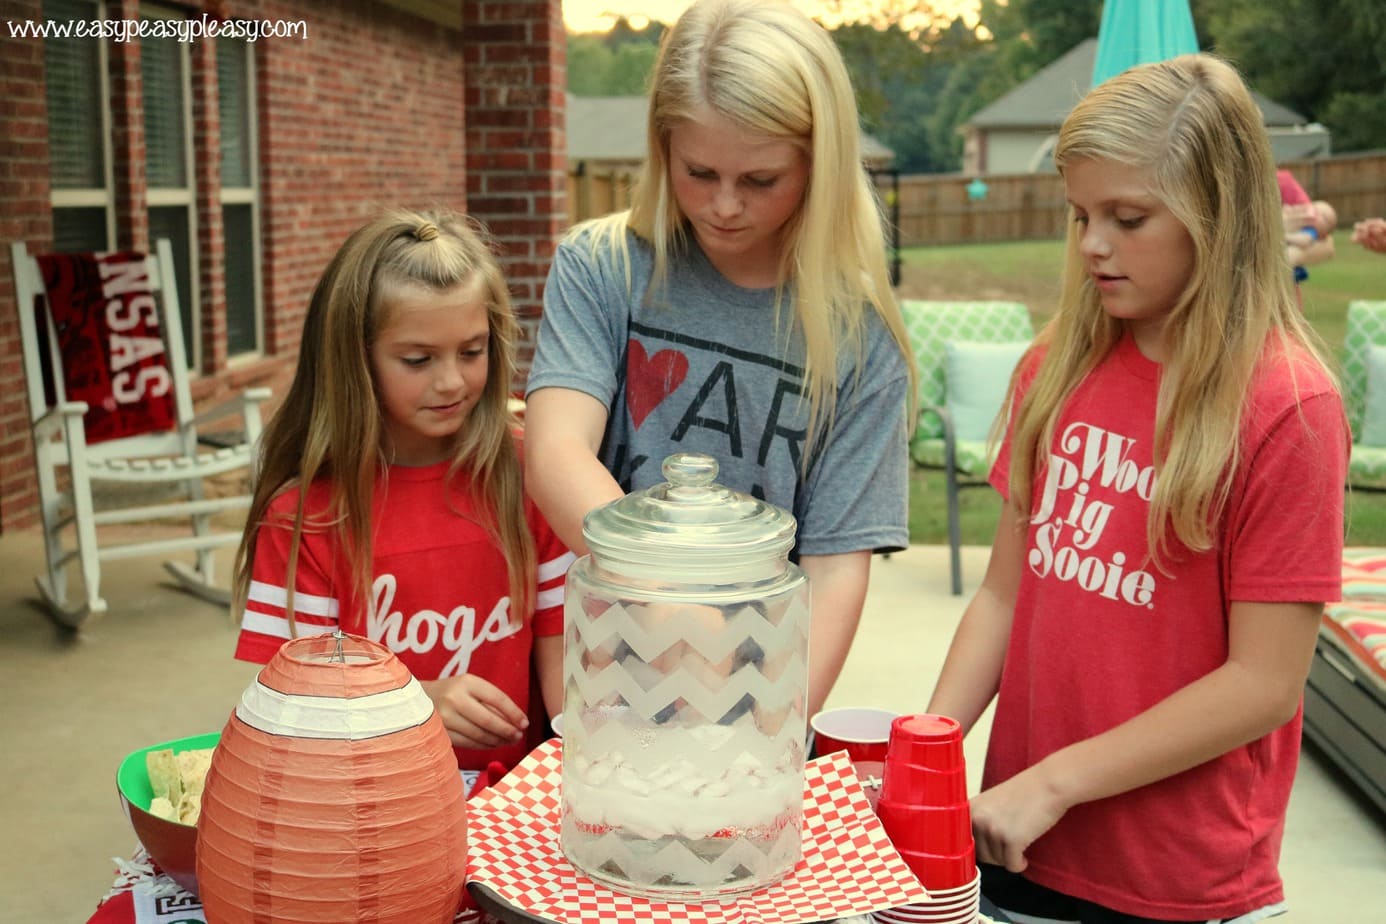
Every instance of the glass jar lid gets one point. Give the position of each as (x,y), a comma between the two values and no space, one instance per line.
(689,521)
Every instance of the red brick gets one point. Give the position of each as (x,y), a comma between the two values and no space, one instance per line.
(372,111)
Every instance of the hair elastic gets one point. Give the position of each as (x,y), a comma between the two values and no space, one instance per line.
(426,231)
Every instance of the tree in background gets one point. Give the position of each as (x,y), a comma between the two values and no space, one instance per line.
(919,76)
(896,80)
(614,63)
(1325,59)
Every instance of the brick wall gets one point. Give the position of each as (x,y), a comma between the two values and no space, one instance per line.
(516,140)
(369,112)
(364,115)
(25,216)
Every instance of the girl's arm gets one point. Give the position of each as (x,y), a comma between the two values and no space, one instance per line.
(971,673)
(563,431)
(837,592)
(1256,690)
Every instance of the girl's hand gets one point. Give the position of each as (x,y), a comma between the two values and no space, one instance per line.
(1008,818)
(1371,234)
(476,713)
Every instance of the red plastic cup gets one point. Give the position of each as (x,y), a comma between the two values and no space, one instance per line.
(944,830)
(862,732)
(918,785)
(942,872)
(973,888)
(930,741)
(930,912)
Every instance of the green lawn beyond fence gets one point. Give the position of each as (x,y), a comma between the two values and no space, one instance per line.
(1028,272)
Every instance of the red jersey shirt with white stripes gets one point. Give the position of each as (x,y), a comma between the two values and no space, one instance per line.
(440,591)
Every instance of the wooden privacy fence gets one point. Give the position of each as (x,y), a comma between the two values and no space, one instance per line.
(594,191)
(936,209)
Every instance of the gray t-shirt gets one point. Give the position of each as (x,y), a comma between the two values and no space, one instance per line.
(708,369)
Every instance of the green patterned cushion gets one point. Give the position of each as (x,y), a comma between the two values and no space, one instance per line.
(1366,325)
(1373,432)
(931,324)
(972,456)
(1367,466)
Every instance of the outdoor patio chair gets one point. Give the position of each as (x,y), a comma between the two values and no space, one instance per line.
(109,402)
(965,353)
(1364,392)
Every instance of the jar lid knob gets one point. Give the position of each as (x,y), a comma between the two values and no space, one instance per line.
(690,469)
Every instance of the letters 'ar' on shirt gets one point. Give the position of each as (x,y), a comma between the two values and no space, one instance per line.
(440,595)
(1101,634)
(702,365)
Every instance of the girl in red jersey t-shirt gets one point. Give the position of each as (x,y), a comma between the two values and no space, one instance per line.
(1173,461)
(390,498)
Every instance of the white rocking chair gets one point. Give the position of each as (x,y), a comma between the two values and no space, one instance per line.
(67,465)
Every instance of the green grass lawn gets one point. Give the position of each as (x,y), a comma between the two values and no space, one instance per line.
(1028,271)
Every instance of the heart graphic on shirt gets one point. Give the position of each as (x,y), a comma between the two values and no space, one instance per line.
(651,379)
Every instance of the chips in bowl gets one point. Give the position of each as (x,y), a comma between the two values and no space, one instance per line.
(160,777)
(177,780)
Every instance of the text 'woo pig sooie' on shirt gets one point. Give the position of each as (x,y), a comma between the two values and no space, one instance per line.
(1070,523)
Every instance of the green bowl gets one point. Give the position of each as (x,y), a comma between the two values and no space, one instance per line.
(171,845)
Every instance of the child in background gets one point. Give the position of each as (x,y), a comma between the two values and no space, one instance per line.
(1308,225)
(742,308)
(390,498)
(1173,468)
(1309,235)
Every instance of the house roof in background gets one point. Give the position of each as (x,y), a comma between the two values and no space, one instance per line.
(1045,99)
(606,128)
(612,128)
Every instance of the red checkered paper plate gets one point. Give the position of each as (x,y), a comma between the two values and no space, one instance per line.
(849,866)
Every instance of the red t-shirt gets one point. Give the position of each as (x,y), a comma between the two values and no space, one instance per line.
(440,598)
(1100,635)
(1291,193)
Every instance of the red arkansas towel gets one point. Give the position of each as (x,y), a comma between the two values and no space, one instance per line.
(112,347)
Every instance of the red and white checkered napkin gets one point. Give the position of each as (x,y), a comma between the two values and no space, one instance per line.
(849,866)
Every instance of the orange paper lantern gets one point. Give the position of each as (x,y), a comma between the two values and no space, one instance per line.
(333,796)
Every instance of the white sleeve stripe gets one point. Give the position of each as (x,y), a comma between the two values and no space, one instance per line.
(549,598)
(555,567)
(276,626)
(308,604)
(260,624)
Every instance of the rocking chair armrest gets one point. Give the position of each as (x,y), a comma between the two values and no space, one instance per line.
(251,397)
(57,416)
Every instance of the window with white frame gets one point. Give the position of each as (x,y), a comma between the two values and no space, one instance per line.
(239,194)
(78,133)
(164,72)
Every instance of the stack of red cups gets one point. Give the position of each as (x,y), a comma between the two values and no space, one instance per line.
(923,808)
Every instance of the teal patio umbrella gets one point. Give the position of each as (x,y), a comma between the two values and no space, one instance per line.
(1140,31)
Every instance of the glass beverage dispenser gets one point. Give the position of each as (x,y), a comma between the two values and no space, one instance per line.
(685,669)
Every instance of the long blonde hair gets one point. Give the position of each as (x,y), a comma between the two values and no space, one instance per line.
(330,423)
(1192,124)
(772,71)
